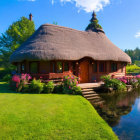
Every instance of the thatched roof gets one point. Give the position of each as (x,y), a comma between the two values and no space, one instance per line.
(52,42)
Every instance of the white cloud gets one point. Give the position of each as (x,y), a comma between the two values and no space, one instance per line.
(88,5)
(137,35)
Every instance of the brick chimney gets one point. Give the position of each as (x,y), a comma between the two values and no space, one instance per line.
(30,17)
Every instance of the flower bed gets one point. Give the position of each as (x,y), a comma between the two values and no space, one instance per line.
(121,84)
(25,84)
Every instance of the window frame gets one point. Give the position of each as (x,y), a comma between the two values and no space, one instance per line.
(104,67)
(115,68)
(94,64)
(37,67)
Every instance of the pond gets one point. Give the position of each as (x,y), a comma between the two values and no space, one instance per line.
(122,112)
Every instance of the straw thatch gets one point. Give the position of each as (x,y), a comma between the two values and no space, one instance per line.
(52,42)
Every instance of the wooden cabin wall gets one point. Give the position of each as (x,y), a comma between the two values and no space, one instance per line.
(27,67)
(44,67)
(121,71)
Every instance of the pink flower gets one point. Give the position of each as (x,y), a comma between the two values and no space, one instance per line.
(138,76)
(16,79)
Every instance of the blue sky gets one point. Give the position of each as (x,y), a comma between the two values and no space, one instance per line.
(120,19)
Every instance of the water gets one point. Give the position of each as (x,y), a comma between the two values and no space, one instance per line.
(122,112)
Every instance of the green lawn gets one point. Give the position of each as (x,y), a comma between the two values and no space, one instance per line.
(49,117)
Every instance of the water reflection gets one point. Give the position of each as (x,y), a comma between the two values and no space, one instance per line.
(122,112)
(139,106)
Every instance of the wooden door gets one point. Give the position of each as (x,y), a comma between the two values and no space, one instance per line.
(84,72)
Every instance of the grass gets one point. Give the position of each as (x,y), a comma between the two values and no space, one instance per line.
(49,117)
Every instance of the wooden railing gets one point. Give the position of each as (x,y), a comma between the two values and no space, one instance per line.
(56,77)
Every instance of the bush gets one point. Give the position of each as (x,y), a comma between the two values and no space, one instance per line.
(20,81)
(113,83)
(76,90)
(6,78)
(49,87)
(36,86)
(26,89)
(70,85)
(58,89)
(118,85)
(132,69)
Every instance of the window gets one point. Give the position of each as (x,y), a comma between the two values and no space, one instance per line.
(94,66)
(113,67)
(34,67)
(18,68)
(53,67)
(102,67)
(66,66)
(22,67)
(59,67)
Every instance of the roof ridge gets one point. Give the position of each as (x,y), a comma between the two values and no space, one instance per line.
(59,26)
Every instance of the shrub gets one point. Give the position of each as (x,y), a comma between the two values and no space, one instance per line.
(76,90)
(107,81)
(16,79)
(26,89)
(6,78)
(70,85)
(49,87)
(36,86)
(58,89)
(118,85)
(113,83)
(132,69)
(20,81)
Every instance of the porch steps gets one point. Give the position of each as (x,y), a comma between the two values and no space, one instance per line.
(89,93)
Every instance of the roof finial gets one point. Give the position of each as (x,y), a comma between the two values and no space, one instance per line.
(30,17)
(94,25)
(94,15)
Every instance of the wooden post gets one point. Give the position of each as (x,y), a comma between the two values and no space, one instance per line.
(97,70)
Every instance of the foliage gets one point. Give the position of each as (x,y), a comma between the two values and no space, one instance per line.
(113,83)
(6,78)
(70,84)
(20,81)
(3,72)
(137,62)
(55,23)
(118,85)
(49,87)
(36,86)
(134,54)
(58,88)
(93,25)
(132,69)
(26,89)
(15,35)
(76,90)
(107,80)
(49,116)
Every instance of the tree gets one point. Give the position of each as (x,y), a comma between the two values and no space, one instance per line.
(93,25)
(16,34)
(134,54)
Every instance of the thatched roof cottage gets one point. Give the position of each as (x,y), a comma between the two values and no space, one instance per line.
(54,51)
